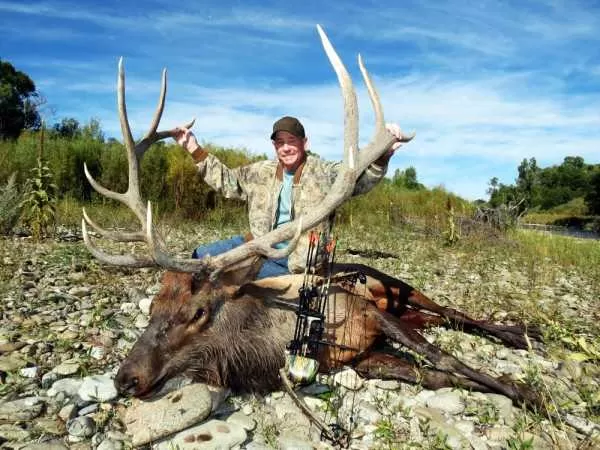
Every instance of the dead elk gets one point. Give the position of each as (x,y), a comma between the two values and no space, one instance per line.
(211,321)
(238,339)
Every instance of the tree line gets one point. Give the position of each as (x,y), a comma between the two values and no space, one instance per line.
(543,189)
(535,188)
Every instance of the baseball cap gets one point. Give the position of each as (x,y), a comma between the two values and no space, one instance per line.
(289,124)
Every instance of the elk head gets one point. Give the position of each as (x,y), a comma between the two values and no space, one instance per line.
(193,324)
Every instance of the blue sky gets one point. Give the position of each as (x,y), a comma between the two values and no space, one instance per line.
(483,84)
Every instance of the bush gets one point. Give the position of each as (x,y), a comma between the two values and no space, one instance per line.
(389,204)
(10,205)
(39,202)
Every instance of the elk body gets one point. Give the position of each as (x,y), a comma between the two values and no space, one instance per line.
(213,322)
(238,339)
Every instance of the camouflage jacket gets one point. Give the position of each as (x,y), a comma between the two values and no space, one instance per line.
(259,184)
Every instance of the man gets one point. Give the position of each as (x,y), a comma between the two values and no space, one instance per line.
(278,190)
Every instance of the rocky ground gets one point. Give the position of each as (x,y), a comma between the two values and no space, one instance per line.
(67,322)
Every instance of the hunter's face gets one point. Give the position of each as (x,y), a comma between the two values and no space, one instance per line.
(290,150)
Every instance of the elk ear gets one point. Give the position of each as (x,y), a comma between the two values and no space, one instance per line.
(283,287)
(242,272)
(260,291)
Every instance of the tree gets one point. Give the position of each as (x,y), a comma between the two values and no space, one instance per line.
(502,194)
(93,131)
(592,199)
(528,181)
(67,128)
(18,106)
(407,179)
(494,185)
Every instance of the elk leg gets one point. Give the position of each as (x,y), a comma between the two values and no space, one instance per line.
(394,296)
(392,327)
(512,335)
(420,320)
(416,319)
(386,366)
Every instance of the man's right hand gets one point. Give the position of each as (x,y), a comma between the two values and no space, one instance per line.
(185,138)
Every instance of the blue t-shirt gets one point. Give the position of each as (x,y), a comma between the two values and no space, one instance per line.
(284,208)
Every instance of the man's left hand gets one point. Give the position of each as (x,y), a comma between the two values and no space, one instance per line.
(395,131)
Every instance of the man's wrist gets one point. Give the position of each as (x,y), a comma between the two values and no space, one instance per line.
(199,154)
(383,160)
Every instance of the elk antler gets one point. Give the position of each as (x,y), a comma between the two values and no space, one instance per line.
(354,164)
(131,198)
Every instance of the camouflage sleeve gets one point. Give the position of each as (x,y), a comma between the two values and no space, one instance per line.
(366,181)
(231,183)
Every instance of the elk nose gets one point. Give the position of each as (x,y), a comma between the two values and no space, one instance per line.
(126,386)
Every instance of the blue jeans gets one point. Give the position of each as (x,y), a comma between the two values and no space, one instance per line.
(270,268)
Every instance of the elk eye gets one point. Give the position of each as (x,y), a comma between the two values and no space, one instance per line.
(199,314)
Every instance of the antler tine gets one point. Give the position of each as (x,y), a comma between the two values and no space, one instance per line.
(152,135)
(131,198)
(125,129)
(116,260)
(381,138)
(373,95)
(101,189)
(134,236)
(348,94)
(160,107)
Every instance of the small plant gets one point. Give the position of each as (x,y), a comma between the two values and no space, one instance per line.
(488,414)
(10,205)
(270,434)
(440,442)
(39,203)
(451,235)
(437,440)
(519,440)
(484,412)
(391,430)
(533,376)
(389,434)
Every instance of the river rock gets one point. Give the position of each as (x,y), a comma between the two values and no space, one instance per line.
(21,409)
(448,402)
(148,421)
(212,435)
(66,368)
(241,419)
(81,427)
(97,388)
(12,432)
(12,362)
(349,379)
(144,305)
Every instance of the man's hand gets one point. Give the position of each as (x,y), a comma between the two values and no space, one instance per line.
(395,131)
(185,138)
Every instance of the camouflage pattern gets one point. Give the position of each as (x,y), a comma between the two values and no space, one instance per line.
(259,184)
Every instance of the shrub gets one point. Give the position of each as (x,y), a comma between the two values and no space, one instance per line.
(10,205)
(39,203)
